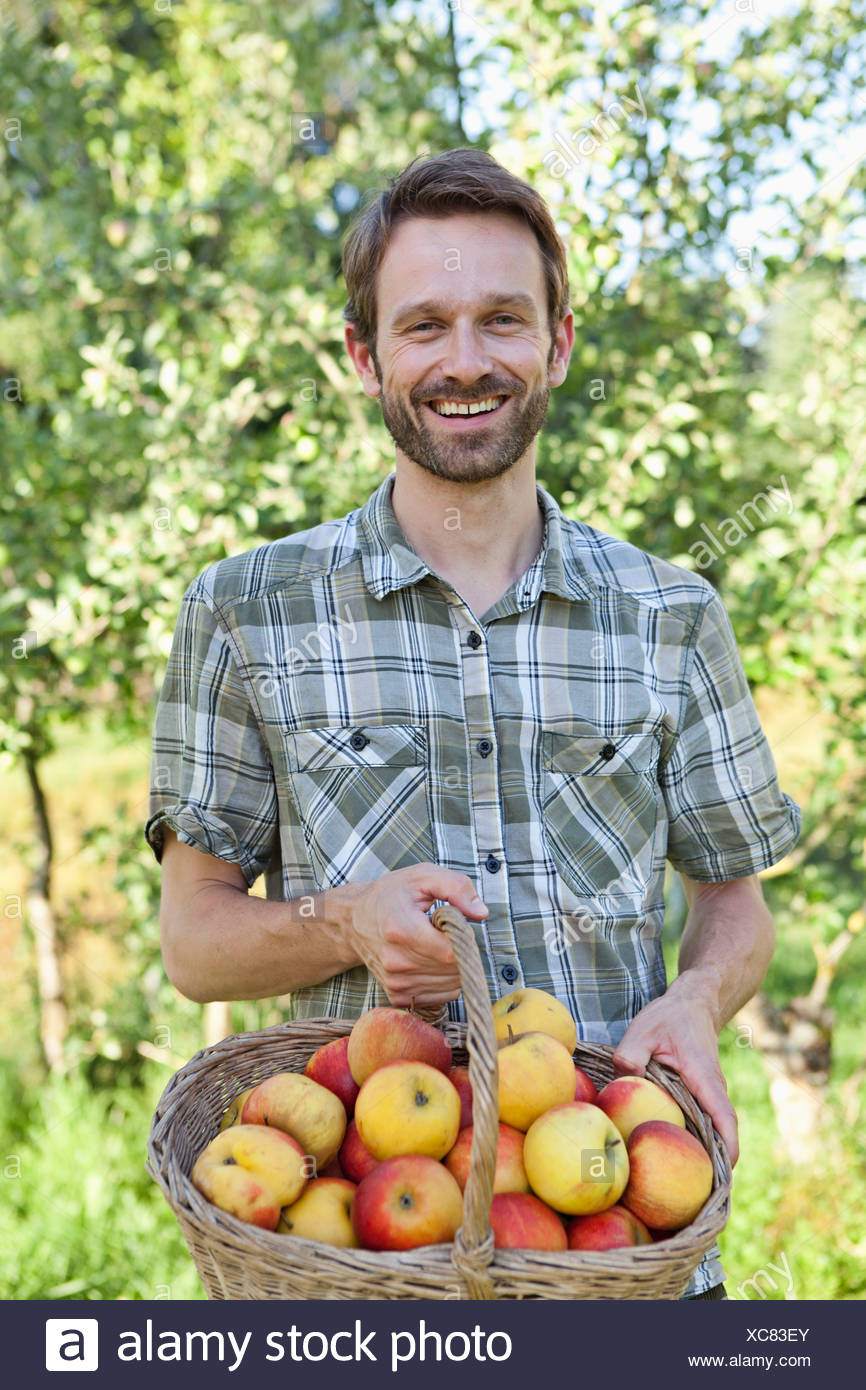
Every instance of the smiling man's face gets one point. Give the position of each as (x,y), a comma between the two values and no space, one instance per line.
(462,323)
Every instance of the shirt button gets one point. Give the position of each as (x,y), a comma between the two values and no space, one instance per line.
(492,864)
(509,974)
(359,741)
(474,639)
(484,747)
(608,752)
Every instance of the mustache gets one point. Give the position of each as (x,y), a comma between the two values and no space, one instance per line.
(446,393)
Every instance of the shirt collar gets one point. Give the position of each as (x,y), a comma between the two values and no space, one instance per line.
(390,563)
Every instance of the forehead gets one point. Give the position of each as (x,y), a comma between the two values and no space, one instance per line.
(459,259)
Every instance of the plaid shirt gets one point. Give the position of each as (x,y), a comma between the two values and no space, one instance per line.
(333,710)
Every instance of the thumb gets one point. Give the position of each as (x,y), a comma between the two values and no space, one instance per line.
(474,906)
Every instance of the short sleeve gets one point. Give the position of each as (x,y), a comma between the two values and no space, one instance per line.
(727,816)
(211,779)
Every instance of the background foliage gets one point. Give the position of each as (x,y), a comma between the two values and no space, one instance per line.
(175,181)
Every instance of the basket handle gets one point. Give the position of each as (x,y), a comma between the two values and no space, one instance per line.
(473,1244)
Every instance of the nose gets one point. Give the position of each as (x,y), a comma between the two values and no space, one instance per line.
(465,358)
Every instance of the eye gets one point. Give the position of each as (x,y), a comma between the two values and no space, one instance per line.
(509,317)
(416,327)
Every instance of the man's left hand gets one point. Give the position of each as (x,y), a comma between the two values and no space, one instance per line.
(678,1028)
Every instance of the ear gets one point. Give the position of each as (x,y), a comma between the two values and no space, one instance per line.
(562,345)
(362,361)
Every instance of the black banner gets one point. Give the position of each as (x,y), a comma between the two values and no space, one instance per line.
(417,1344)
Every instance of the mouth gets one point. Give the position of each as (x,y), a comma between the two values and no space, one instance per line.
(466,414)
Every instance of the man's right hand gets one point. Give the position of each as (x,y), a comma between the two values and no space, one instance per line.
(411,959)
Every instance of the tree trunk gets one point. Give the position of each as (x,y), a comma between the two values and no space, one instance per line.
(217,1022)
(795,1043)
(40,916)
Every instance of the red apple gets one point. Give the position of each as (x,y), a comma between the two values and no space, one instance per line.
(407,1201)
(631,1100)
(355,1158)
(459,1078)
(607,1230)
(520,1221)
(330,1067)
(584,1086)
(510,1174)
(393,1035)
(670,1175)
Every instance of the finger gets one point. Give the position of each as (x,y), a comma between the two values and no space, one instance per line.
(451,887)
(632,1054)
(711,1093)
(415,937)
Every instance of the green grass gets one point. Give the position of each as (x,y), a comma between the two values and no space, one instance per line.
(81,1216)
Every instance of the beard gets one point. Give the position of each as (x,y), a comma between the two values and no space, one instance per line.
(477,456)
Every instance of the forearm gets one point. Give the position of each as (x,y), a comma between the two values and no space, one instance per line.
(726,946)
(228,945)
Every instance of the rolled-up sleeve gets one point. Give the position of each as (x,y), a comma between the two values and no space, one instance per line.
(727,816)
(212,780)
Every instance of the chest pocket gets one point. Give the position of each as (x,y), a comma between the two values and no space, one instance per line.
(601,811)
(361,792)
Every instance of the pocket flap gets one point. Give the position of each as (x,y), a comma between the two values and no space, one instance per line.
(357,745)
(585,755)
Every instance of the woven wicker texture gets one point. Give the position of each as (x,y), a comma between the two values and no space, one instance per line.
(238,1261)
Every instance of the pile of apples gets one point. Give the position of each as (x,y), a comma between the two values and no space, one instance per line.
(369,1146)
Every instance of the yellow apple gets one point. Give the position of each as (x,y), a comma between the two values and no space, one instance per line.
(671,1175)
(252,1172)
(533,1011)
(407,1108)
(232,1115)
(630,1100)
(322,1212)
(535,1072)
(311,1113)
(576,1159)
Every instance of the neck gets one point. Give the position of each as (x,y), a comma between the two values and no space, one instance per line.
(488,533)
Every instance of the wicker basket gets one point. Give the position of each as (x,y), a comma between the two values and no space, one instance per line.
(239,1261)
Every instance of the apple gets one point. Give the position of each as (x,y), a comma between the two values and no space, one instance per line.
(670,1178)
(322,1212)
(407,1108)
(459,1078)
(252,1172)
(356,1160)
(584,1086)
(330,1067)
(509,1175)
(407,1201)
(611,1229)
(333,1169)
(535,1072)
(533,1011)
(576,1159)
(389,1035)
(309,1112)
(520,1221)
(629,1100)
(232,1115)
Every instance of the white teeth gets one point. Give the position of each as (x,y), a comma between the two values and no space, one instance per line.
(461,408)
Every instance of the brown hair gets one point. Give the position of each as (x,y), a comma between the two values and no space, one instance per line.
(460,180)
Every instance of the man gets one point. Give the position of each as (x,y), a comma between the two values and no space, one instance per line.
(456,689)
